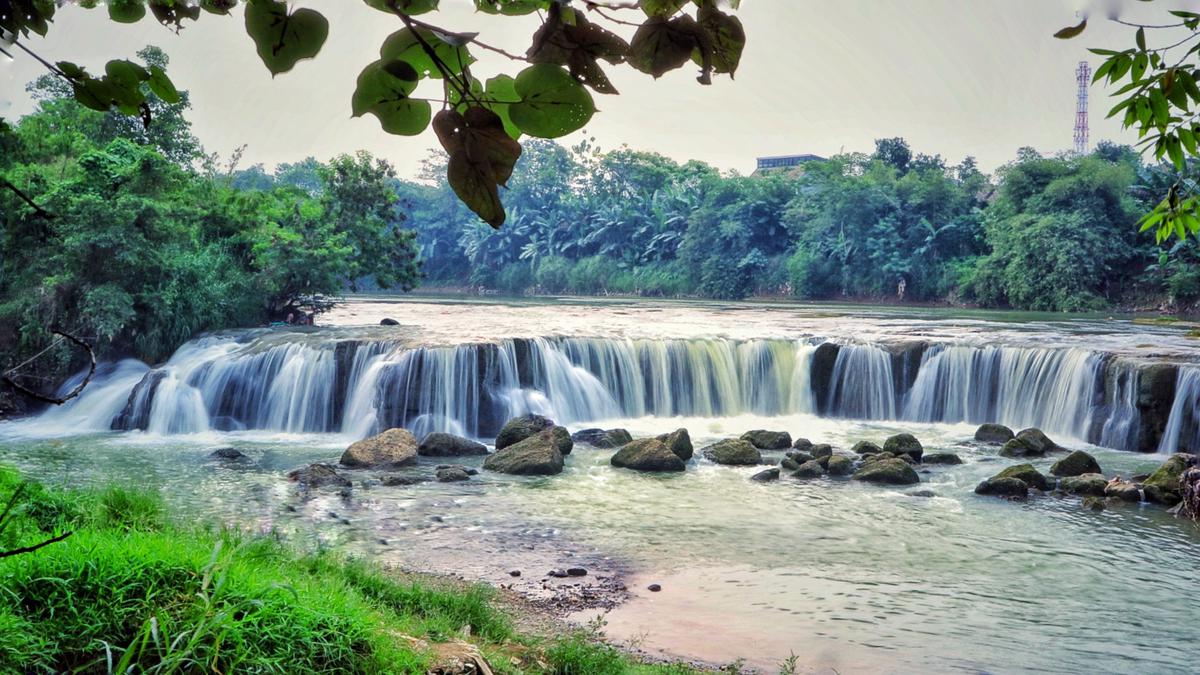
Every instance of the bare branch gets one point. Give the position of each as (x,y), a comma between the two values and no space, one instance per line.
(71,394)
(31,549)
(4,182)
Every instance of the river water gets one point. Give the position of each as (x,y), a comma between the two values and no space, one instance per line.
(848,577)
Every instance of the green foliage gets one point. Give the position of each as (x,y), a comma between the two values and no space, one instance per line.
(548,99)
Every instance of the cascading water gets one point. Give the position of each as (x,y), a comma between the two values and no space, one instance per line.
(1182,433)
(358,387)
(1055,390)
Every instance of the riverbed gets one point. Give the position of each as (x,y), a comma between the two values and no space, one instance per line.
(849,577)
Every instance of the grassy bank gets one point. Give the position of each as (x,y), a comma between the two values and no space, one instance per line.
(132,590)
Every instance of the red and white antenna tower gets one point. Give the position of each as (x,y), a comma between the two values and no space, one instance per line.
(1083,75)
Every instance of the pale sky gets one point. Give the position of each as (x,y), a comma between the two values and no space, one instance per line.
(954,77)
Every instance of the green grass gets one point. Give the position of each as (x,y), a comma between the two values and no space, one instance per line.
(131,591)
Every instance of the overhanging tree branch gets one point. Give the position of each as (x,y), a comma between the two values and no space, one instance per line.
(7,377)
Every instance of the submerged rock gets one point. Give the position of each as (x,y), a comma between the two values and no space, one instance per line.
(388,322)
(942,458)
(1094,503)
(811,469)
(839,465)
(1164,485)
(402,481)
(1016,447)
(603,439)
(647,454)
(318,475)
(227,453)
(866,448)
(1029,475)
(888,471)
(997,434)
(452,474)
(537,455)
(1006,486)
(733,451)
(1087,484)
(1076,464)
(679,442)
(766,476)
(792,463)
(904,444)
(519,428)
(768,440)
(1122,490)
(392,448)
(440,444)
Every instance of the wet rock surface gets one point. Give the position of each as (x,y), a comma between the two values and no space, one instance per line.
(648,454)
(536,455)
(733,451)
(440,444)
(888,471)
(390,449)
(602,438)
(520,428)
(996,434)
(768,440)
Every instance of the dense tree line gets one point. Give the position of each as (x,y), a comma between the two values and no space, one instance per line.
(1044,233)
(133,239)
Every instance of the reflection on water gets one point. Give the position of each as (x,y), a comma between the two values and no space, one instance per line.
(848,576)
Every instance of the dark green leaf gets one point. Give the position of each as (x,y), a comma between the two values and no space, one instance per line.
(552,103)
(126,11)
(162,86)
(383,90)
(405,45)
(282,38)
(660,45)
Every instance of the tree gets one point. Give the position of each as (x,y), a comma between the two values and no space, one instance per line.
(480,120)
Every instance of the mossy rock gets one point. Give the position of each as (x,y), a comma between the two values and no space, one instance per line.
(812,469)
(1003,486)
(679,442)
(866,448)
(1038,441)
(733,451)
(519,428)
(1076,464)
(390,449)
(1031,476)
(802,444)
(537,455)
(648,454)
(888,471)
(768,440)
(1016,448)
(904,444)
(602,439)
(942,458)
(440,444)
(821,450)
(996,434)
(1164,485)
(840,465)
(791,463)
(1087,484)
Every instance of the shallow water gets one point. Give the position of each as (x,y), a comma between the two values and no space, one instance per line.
(848,576)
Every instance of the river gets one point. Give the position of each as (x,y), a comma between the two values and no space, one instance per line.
(847,576)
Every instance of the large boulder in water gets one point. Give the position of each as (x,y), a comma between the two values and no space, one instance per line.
(888,471)
(1122,490)
(318,476)
(1164,485)
(519,428)
(904,444)
(679,442)
(766,476)
(997,434)
(648,454)
(996,486)
(768,440)
(811,469)
(866,448)
(733,451)
(1030,445)
(452,474)
(441,444)
(1031,476)
(537,455)
(941,458)
(839,465)
(1076,464)
(602,438)
(392,448)
(1092,484)
(802,444)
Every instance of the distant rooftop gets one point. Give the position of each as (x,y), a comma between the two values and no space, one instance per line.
(785,161)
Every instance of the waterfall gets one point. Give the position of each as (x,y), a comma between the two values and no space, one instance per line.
(1054,390)
(1182,433)
(298,384)
(862,385)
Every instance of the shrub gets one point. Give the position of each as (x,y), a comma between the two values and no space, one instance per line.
(590,275)
(552,274)
(514,278)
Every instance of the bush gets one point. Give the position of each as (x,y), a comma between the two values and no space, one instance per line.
(590,275)
(552,274)
(514,278)
(724,279)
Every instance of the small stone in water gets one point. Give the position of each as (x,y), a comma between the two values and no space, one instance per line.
(558,574)
(654,588)
(383,541)
(333,514)
(576,572)
(515,573)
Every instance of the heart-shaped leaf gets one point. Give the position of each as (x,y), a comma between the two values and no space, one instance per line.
(383,90)
(662,45)
(405,45)
(162,86)
(284,38)
(552,103)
